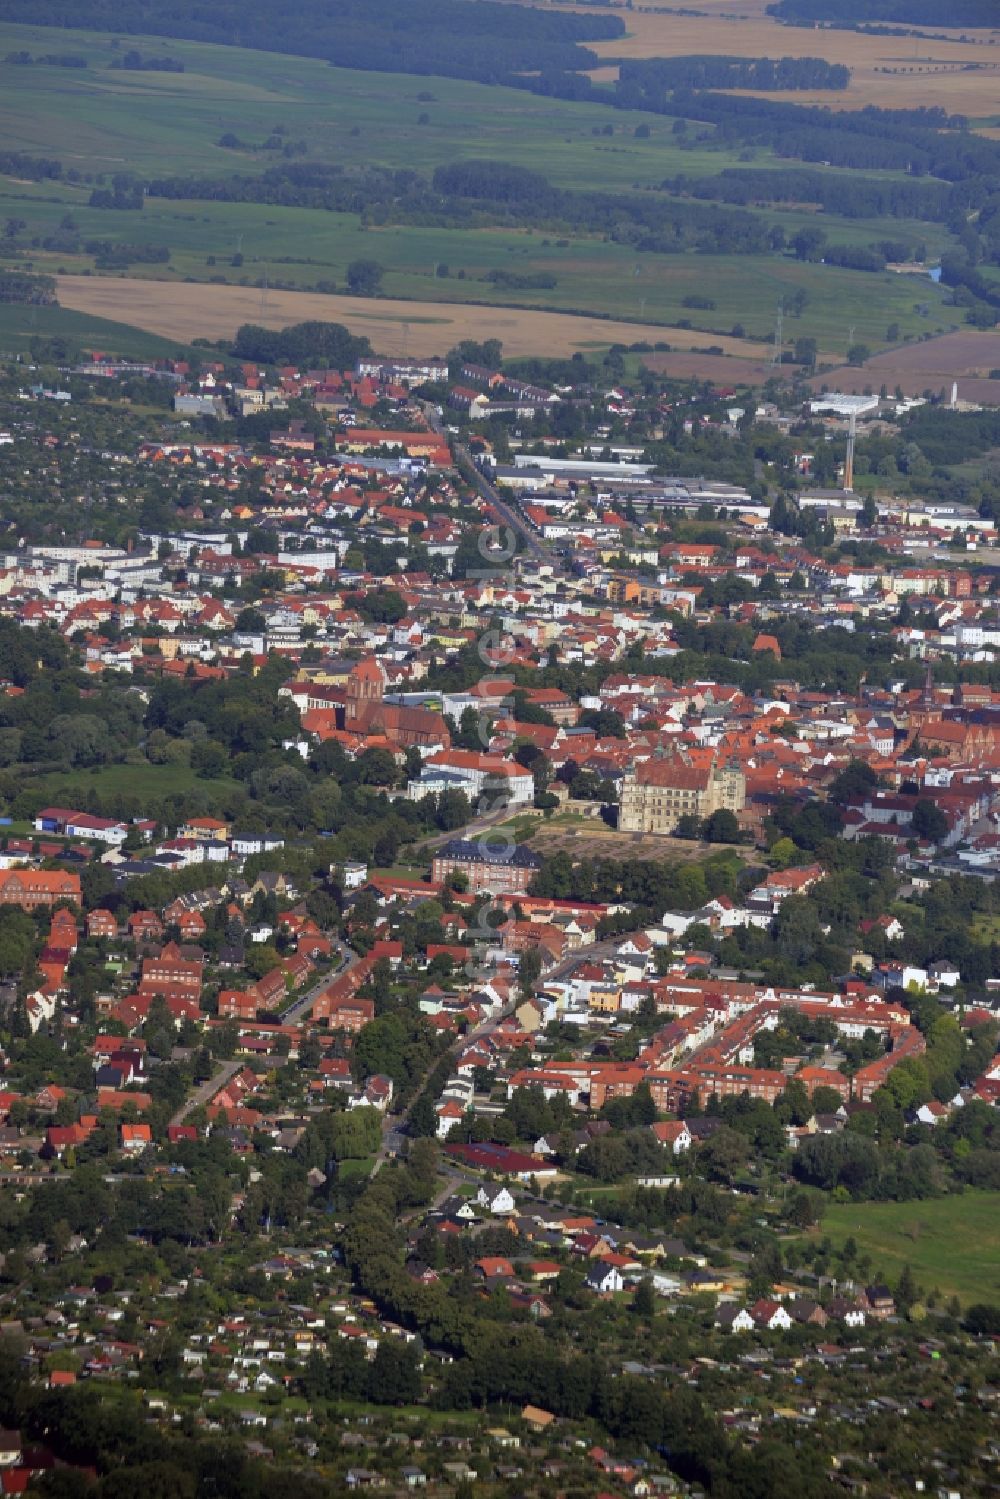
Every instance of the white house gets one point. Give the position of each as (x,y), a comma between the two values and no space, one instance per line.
(733,1320)
(498,1201)
(673,1135)
(605,1278)
(245,844)
(771,1315)
(449,1114)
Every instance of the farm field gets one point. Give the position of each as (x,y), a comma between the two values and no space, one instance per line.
(893,72)
(423,328)
(720,369)
(951,1243)
(299,248)
(966,356)
(100,120)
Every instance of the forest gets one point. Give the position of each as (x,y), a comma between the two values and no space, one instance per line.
(28,290)
(922,142)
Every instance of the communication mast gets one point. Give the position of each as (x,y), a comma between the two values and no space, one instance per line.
(779,335)
(852,434)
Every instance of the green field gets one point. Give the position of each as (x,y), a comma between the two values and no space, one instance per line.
(299,247)
(19,325)
(99,121)
(952,1244)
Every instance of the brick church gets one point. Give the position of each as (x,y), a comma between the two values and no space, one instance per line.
(366,712)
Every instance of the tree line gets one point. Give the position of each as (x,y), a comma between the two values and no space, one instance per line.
(911,12)
(707,71)
(27,290)
(480,193)
(850,197)
(916,142)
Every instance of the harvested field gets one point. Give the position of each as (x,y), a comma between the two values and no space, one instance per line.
(187,310)
(721,369)
(892,72)
(967,357)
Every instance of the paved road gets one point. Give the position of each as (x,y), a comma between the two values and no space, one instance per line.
(472,830)
(295,1012)
(394,1129)
(301,1007)
(506,511)
(592,954)
(208,1088)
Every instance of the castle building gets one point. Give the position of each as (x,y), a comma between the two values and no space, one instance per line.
(658,793)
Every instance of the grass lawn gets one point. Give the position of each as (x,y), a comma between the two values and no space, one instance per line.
(152,781)
(519,827)
(351,1170)
(951,1243)
(448,1420)
(401,870)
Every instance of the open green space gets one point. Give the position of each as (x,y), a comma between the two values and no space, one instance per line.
(952,1244)
(355,1170)
(152,781)
(986,927)
(99,121)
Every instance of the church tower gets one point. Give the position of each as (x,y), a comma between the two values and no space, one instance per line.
(365,691)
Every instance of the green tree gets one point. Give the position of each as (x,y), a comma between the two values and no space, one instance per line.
(422,1122)
(721,827)
(529,970)
(364,278)
(929,821)
(855,780)
(644,1300)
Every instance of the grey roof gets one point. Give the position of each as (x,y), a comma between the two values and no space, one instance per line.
(482,852)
